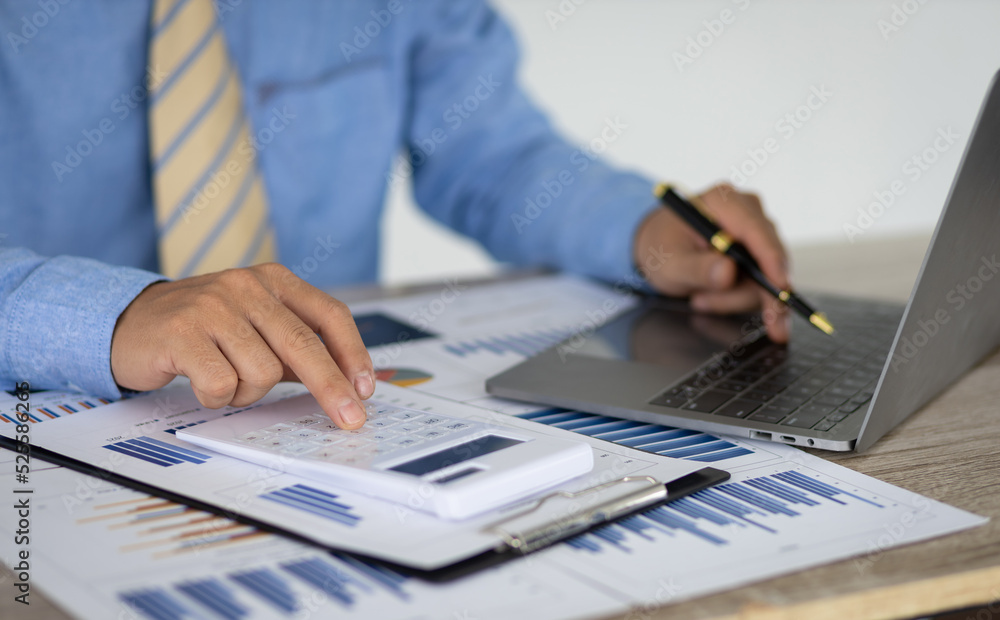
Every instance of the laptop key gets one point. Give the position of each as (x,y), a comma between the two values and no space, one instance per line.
(831,400)
(825,425)
(757,396)
(669,400)
(738,408)
(709,401)
(734,386)
(768,414)
(806,417)
(786,402)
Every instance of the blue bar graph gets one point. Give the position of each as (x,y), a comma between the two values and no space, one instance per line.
(524,344)
(382,576)
(157,452)
(657,438)
(740,504)
(325,577)
(214,595)
(314,501)
(267,585)
(157,604)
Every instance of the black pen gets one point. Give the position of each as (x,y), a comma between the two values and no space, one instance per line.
(722,242)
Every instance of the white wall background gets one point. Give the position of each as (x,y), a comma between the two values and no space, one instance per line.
(891,93)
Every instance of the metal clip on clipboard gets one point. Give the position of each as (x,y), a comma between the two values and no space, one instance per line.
(530,530)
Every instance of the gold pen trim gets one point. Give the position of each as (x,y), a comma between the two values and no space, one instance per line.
(819,320)
(784,296)
(721,241)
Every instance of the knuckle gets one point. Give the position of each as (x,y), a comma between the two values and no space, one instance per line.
(239,279)
(266,374)
(218,384)
(336,308)
(275,271)
(299,337)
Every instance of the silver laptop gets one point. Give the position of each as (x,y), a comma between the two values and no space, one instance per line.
(662,363)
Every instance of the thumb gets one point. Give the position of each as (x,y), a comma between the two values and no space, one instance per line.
(694,270)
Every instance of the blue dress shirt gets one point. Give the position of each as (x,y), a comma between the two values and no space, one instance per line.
(335,92)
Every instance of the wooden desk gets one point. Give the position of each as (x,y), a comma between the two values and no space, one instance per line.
(949,451)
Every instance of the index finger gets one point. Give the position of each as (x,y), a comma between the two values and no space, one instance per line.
(742,217)
(286,326)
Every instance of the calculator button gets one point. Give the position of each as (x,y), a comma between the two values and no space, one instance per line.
(457,426)
(327,439)
(299,449)
(355,444)
(309,421)
(431,421)
(382,423)
(276,443)
(325,454)
(326,427)
(382,436)
(407,429)
(432,434)
(406,442)
(411,416)
(279,428)
(305,433)
(254,437)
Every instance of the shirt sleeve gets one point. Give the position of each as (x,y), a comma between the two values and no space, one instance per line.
(486,162)
(57,316)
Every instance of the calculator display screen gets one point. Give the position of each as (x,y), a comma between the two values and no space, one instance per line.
(455,454)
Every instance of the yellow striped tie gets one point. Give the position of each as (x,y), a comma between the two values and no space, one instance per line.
(211,206)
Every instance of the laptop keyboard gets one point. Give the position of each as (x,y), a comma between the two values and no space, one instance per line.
(816,382)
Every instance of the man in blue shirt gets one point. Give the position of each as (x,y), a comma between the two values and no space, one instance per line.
(333,91)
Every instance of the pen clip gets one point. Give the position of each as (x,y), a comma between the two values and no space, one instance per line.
(529,536)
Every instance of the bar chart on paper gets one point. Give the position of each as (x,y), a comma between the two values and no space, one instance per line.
(764,503)
(525,343)
(314,501)
(665,440)
(160,528)
(47,405)
(286,589)
(157,452)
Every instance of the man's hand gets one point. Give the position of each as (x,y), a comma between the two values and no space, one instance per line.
(677,261)
(237,333)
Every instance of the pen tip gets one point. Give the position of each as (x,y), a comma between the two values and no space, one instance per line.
(819,320)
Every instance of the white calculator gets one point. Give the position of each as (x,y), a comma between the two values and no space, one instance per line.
(452,466)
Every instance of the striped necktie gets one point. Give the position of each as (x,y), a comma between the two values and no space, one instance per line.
(211,206)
